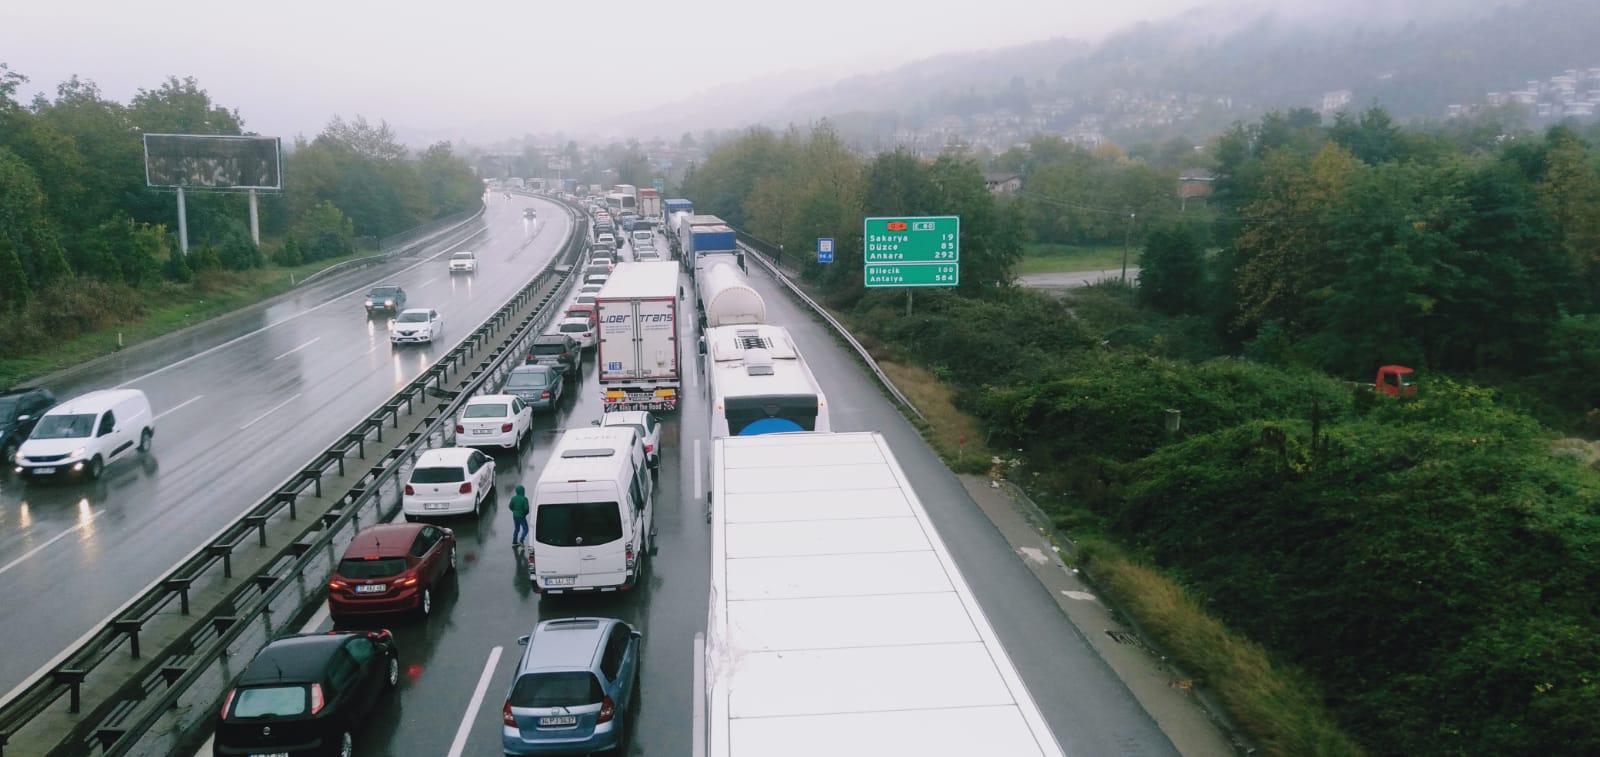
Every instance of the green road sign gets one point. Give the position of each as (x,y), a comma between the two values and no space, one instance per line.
(931,239)
(913,275)
(912,252)
(659,184)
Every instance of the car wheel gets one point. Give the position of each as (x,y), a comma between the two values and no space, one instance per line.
(145,440)
(347,745)
(452,567)
(425,607)
(96,466)
(394,673)
(8,452)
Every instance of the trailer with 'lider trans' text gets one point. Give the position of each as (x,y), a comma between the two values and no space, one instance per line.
(638,356)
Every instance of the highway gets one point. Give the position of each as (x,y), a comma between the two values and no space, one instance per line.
(472,636)
(241,403)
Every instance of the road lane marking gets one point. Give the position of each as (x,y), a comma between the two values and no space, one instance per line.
(317,619)
(179,406)
(460,743)
(48,542)
(314,340)
(275,408)
(429,281)
(697,481)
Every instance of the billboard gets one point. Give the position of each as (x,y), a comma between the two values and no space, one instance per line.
(205,161)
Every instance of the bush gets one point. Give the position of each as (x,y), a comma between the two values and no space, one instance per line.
(1432,561)
(67,309)
(288,256)
(324,232)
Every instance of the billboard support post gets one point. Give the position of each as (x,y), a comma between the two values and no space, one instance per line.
(255,220)
(183,224)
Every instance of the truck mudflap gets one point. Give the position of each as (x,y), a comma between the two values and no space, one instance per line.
(664,399)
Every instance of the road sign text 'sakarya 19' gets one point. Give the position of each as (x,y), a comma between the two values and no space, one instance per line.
(912,252)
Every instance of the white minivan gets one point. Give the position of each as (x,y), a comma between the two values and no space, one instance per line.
(87,433)
(593,513)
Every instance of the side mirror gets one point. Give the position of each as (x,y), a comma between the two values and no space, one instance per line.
(594,423)
(522,640)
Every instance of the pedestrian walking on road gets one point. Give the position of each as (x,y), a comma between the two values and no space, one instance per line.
(519,516)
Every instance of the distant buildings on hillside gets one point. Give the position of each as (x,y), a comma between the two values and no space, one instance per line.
(1574,93)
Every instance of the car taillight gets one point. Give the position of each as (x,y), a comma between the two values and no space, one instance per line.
(505,428)
(649,448)
(226,703)
(627,556)
(410,580)
(506,716)
(410,491)
(316,698)
(460,429)
(608,709)
(337,585)
(565,355)
(466,488)
(544,395)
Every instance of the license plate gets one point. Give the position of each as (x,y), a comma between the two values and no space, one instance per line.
(273,754)
(482,431)
(559,720)
(560,580)
(371,588)
(44,471)
(435,505)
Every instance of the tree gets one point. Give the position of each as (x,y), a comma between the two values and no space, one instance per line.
(180,106)
(14,290)
(26,223)
(372,142)
(1172,269)
(324,232)
(448,180)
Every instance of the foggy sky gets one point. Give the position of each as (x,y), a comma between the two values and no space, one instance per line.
(490,69)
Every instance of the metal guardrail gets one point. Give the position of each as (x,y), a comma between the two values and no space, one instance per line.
(458,222)
(763,258)
(169,684)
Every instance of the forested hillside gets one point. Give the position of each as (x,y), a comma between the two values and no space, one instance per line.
(1426,563)
(84,244)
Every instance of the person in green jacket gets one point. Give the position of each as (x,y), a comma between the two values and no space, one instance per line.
(519,515)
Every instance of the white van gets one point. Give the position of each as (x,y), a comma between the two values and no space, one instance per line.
(593,513)
(86,433)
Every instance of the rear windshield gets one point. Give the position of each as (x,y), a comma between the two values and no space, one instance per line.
(556,690)
(64,426)
(268,701)
(529,378)
(384,568)
(577,524)
(549,349)
(574,328)
(437,476)
(496,410)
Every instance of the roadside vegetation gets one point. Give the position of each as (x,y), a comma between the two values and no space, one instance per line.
(87,251)
(1350,572)
(1047,257)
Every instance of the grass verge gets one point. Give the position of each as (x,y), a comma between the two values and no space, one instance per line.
(1275,703)
(167,309)
(1041,257)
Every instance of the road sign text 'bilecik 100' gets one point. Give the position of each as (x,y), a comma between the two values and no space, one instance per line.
(912,252)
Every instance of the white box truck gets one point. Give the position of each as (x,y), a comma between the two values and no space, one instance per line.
(638,355)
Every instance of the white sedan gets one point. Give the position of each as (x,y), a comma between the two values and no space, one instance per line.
(416,325)
(494,420)
(464,261)
(448,481)
(580,329)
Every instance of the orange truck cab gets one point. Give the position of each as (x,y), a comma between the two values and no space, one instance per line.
(1395,381)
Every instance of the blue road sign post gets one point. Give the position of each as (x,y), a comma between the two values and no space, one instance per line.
(824,250)
(660,185)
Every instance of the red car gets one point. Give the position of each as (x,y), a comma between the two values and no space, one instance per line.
(390,569)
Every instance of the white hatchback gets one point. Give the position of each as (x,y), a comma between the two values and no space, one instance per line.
(642,422)
(448,481)
(465,260)
(494,420)
(416,325)
(580,329)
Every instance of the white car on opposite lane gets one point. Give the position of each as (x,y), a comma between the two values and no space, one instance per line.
(464,261)
(416,325)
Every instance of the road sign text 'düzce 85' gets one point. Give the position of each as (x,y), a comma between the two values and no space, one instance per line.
(912,252)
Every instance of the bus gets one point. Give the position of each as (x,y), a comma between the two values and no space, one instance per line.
(759,383)
(839,624)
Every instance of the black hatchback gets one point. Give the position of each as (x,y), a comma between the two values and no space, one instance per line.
(19,411)
(306,694)
(556,350)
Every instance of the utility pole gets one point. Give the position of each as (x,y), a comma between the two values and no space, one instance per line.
(1127,239)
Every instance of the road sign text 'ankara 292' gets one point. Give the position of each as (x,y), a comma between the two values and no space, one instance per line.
(909,244)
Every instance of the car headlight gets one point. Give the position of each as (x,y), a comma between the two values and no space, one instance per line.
(77,453)
(390,303)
